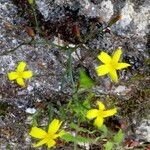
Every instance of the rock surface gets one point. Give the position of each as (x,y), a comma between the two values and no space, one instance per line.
(47,63)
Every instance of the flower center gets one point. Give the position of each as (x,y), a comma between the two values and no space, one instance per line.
(113,65)
(50,136)
(20,74)
(100,113)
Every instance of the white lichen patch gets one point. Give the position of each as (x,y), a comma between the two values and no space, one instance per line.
(43,7)
(106,10)
(143,20)
(30,110)
(76,55)
(60,2)
(139,19)
(143,131)
(127,14)
(6,63)
(58,41)
(121,90)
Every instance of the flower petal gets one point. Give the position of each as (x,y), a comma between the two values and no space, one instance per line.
(102,70)
(20,81)
(27,74)
(41,142)
(98,122)
(54,126)
(92,113)
(21,66)
(122,65)
(51,143)
(37,133)
(117,55)
(12,75)
(113,75)
(104,57)
(110,112)
(101,106)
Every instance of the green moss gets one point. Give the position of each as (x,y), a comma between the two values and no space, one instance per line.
(3,109)
(137,106)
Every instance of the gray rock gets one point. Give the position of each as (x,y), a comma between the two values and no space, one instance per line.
(48,63)
(143,131)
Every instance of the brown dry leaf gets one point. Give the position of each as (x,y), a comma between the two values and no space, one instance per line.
(40,105)
(147,147)
(8,25)
(131,143)
(30,31)
(114,20)
(76,30)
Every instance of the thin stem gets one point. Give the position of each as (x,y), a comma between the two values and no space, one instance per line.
(35,18)
(74,91)
(15,48)
(76,133)
(50,114)
(70,68)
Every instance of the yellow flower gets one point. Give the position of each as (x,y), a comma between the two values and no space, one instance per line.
(110,65)
(100,114)
(47,137)
(20,74)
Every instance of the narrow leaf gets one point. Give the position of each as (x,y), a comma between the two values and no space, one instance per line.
(86,102)
(35,118)
(114,20)
(108,146)
(119,137)
(70,138)
(104,129)
(85,80)
(80,129)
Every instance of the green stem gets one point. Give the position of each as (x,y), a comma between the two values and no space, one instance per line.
(70,68)
(74,91)
(70,73)
(50,114)
(35,18)
(14,49)
(76,133)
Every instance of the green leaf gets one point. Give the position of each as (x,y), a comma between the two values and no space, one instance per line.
(84,140)
(85,80)
(147,61)
(62,112)
(119,137)
(30,1)
(86,102)
(70,138)
(35,118)
(80,111)
(137,77)
(104,129)
(108,145)
(79,129)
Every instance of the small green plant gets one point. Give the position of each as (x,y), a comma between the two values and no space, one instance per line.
(77,112)
(75,116)
(80,109)
(115,141)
